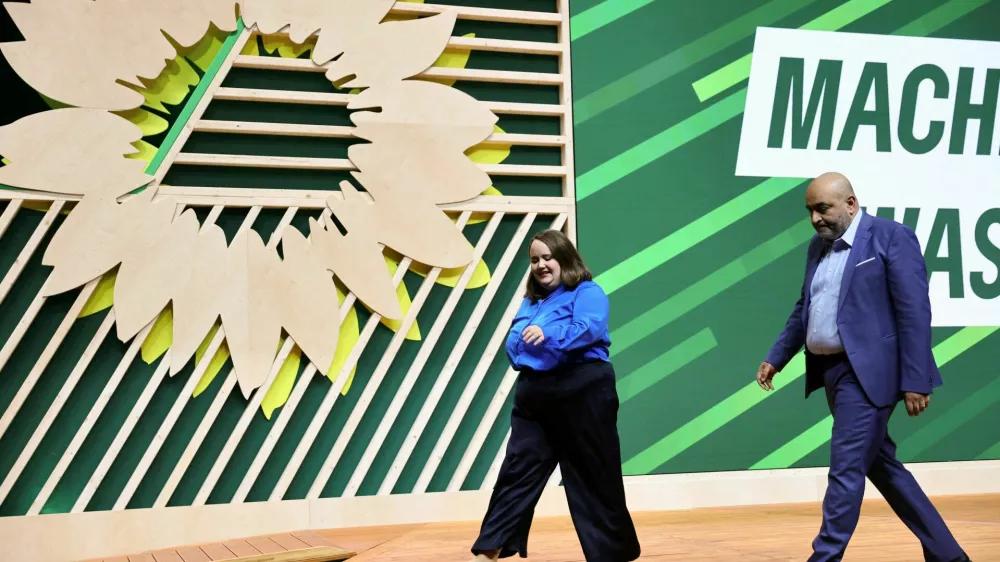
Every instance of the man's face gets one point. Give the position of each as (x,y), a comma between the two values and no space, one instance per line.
(831,213)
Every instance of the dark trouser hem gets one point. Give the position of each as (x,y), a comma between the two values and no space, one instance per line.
(566,418)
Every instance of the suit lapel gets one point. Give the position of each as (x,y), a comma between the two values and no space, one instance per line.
(857,250)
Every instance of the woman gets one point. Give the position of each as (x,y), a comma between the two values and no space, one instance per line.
(565,413)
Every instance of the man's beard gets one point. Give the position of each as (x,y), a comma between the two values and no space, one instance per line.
(830,231)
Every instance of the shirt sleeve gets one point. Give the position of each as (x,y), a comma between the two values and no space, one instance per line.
(520,322)
(588,326)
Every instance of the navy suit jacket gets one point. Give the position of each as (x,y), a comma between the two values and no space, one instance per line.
(884,315)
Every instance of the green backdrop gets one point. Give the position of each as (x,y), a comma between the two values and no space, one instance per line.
(703,267)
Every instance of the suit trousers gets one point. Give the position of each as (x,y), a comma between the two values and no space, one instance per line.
(860,447)
(567,417)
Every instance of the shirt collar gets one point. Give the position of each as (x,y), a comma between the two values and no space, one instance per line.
(852,230)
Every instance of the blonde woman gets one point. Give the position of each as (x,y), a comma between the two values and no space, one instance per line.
(565,413)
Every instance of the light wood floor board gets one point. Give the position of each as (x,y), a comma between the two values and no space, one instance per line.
(750,534)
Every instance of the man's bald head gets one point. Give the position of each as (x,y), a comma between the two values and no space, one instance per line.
(832,204)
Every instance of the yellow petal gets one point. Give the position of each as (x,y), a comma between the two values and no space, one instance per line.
(281,388)
(103,296)
(160,337)
(285,47)
(150,123)
(53,103)
(172,86)
(489,153)
(346,341)
(251,48)
(218,361)
(203,52)
(146,152)
(404,304)
(453,58)
(449,277)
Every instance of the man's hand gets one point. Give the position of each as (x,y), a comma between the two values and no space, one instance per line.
(916,403)
(533,335)
(765,373)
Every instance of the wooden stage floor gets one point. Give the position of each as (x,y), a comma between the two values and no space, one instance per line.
(747,534)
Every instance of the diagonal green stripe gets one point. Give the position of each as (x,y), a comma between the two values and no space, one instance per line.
(812,439)
(709,118)
(788,453)
(932,433)
(666,364)
(199,92)
(738,71)
(939,17)
(669,65)
(993,453)
(606,12)
(694,233)
(716,282)
(660,145)
(709,421)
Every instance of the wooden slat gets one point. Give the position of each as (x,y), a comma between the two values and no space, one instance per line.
(29,248)
(265,545)
(288,542)
(317,98)
(190,196)
(436,72)
(487,44)
(402,391)
(167,556)
(218,552)
(193,554)
(312,539)
(340,132)
(340,164)
(141,558)
(478,14)
(241,548)
(9,213)
(566,101)
(444,377)
(505,46)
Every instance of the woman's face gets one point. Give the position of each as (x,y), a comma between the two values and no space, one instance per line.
(544,267)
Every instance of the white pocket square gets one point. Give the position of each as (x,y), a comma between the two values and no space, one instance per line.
(864,262)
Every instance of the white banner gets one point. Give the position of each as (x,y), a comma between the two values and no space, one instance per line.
(912,122)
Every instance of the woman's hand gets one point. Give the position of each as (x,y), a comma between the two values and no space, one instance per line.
(532,335)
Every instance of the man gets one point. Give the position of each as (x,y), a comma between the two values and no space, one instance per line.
(864,317)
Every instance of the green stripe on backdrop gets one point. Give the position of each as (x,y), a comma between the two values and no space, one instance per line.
(695,233)
(669,65)
(660,145)
(710,286)
(939,17)
(931,434)
(715,115)
(606,12)
(814,437)
(195,99)
(739,70)
(709,421)
(666,364)
(993,453)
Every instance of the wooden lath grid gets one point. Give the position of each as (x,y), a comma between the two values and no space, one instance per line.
(560,211)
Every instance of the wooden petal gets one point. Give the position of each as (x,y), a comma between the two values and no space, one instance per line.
(197,293)
(312,311)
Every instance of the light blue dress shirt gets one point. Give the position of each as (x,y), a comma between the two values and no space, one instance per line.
(822,335)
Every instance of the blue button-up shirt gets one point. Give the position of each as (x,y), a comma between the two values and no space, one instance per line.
(822,335)
(575,324)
